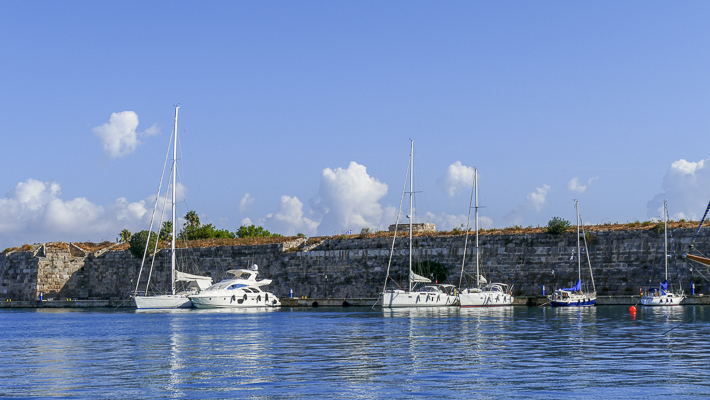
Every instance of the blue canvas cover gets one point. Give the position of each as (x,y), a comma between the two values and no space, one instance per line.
(576,287)
(664,286)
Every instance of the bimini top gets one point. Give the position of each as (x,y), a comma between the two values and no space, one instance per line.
(246,276)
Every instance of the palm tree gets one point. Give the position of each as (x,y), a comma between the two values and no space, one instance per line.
(166,231)
(193,221)
(125,236)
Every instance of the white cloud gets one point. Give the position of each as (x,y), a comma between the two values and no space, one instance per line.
(686,186)
(574,186)
(119,136)
(348,199)
(246,222)
(535,200)
(245,202)
(289,220)
(34,212)
(456,178)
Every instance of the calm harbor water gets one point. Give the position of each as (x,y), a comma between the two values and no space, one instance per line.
(359,353)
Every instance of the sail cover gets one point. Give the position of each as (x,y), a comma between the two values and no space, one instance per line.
(664,286)
(576,287)
(417,278)
(202,282)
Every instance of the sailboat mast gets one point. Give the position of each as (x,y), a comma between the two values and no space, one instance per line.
(475,185)
(411,209)
(468,226)
(665,235)
(579,256)
(172,239)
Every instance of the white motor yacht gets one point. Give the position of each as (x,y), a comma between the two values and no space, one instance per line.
(241,290)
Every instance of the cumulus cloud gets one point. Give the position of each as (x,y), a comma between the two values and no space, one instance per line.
(686,186)
(245,202)
(289,220)
(348,199)
(34,211)
(456,178)
(246,222)
(534,200)
(574,186)
(119,137)
(538,198)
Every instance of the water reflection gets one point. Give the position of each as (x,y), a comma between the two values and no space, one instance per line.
(358,353)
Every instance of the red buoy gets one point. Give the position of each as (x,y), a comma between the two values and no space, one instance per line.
(632,310)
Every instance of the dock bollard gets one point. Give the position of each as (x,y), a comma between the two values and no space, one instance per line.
(543,290)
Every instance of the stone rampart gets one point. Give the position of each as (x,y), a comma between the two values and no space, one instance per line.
(622,260)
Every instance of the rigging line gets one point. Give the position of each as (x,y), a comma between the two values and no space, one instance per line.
(586,250)
(155,206)
(396,229)
(673,253)
(699,226)
(194,168)
(682,322)
(468,226)
(157,239)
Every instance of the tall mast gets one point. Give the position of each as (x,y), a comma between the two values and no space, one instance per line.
(172,240)
(579,257)
(475,185)
(468,225)
(665,235)
(411,209)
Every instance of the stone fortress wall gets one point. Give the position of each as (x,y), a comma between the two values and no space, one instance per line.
(355,267)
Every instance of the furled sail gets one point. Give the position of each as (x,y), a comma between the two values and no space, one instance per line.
(417,278)
(576,287)
(202,282)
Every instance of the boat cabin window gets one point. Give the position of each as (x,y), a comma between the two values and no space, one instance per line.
(236,286)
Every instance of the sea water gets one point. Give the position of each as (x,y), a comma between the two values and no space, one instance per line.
(356,353)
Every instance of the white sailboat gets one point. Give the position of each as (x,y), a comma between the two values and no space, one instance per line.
(195,282)
(428,295)
(491,294)
(661,296)
(575,296)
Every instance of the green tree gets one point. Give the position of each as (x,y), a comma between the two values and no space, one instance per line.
(433,270)
(192,220)
(558,225)
(124,236)
(138,241)
(254,231)
(166,231)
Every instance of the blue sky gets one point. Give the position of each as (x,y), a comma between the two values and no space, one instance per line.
(297,115)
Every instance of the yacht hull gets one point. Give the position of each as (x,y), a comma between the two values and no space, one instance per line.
(417,299)
(230,300)
(485,299)
(577,303)
(162,301)
(667,300)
